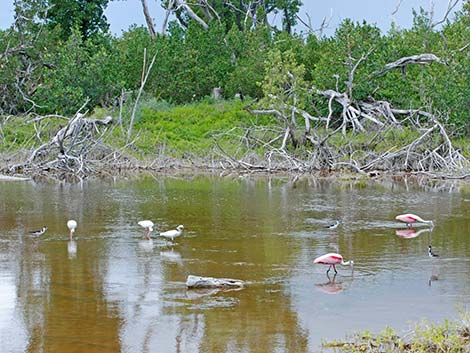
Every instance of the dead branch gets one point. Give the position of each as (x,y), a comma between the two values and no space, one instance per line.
(171,4)
(420,59)
(450,6)
(190,12)
(145,76)
(148,19)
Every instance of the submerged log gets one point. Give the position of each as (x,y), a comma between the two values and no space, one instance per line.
(210,282)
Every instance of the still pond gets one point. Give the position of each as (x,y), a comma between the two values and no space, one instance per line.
(112,291)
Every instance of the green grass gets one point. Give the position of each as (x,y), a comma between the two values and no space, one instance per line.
(188,131)
(190,128)
(448,337)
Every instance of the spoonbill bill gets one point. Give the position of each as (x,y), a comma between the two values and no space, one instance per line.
(71,225)
(332,259)
(173,233)
(430,252)
(334,225)
(148,227)
(410,218)
(38,232)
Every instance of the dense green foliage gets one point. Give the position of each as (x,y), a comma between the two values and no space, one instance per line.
(55,61)
(87,16)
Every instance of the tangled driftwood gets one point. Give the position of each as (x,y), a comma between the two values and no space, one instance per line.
(308,146)
(74,149)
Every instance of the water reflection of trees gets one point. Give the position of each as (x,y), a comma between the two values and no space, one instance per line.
(254,325)
(62,301)
(117,296)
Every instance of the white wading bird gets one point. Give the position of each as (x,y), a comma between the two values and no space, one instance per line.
(173,233)
(71,225)
(148,227)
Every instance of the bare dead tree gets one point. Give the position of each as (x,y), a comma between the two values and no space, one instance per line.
(148,19)
(169,8)
(450,6)
(74,149)
(429,151)
(145,75)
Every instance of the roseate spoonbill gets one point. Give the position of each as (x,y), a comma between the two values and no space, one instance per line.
(173,233)
(38,232)
(410,218)
(430,253)
(332,259)
(71,225)
(148,227)
(334,225)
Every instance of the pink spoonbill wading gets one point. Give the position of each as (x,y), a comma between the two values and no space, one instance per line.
(333,259)
(148,227)
(410,218)
(71,225)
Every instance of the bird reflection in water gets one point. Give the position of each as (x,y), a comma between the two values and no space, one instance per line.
(411,233)
(72,249)
(146,245)
(171,256)
(330,287)
(435,267)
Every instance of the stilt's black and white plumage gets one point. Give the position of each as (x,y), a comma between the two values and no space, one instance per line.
(333,225)
(430,252)
(38,232)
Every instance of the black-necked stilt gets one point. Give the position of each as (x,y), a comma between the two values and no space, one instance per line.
(38,232)
(430,253)
(334,225)
(173,233)
(71,225)
(148,227)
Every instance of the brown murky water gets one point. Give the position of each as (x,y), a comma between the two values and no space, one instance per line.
(111,291)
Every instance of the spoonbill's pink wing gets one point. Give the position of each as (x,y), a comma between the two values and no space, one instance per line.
(407,218)
(329,259)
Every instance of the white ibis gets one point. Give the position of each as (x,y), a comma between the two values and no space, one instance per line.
(334,225)
(148,227)
(410,218)
(71,225)
(173,233)
(38,232)
(332,259)
(430,252)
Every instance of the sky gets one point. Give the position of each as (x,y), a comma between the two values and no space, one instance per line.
(123,13)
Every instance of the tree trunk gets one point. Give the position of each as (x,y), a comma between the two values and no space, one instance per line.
(148,19)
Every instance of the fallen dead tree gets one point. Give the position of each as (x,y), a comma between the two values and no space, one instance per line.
(77,148)
(365,136)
